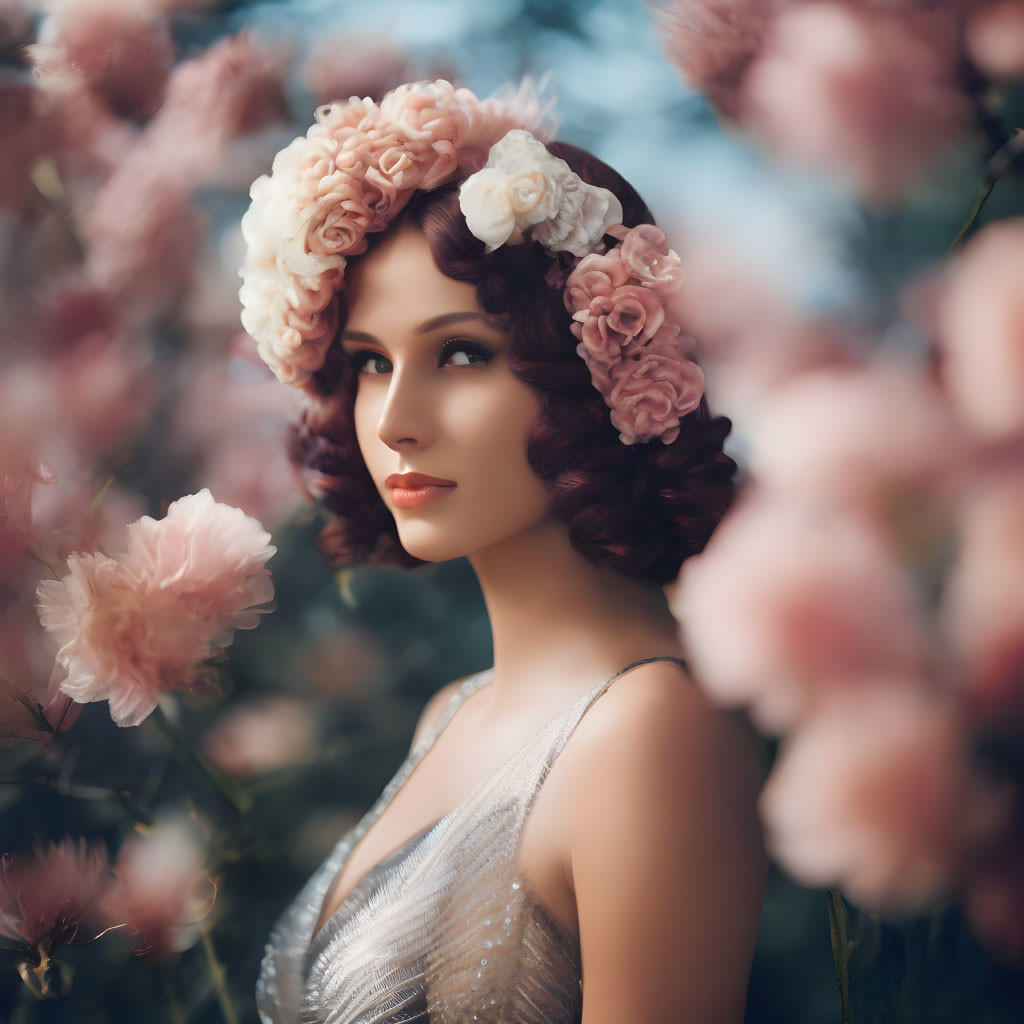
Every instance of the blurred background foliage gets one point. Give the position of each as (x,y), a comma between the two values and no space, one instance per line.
(363,650)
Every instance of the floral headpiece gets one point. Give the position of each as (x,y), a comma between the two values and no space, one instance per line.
(360,164)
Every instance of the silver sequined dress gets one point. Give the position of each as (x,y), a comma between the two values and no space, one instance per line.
(445,930)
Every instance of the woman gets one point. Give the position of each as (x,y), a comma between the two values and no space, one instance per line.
(573,835)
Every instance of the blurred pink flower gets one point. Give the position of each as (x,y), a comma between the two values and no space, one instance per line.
(871,435)
(983,604)
(790,602)
(982,331)
(874,794)
(867,95)
(352,65)
(118,49)
(262,736)
(21,130)
(143,231)
(132,628)
(50,901)
(995,38)
(234,88)
(712,42)
(161,890)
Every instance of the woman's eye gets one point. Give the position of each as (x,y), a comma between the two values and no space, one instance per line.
(463,352)
(371,362)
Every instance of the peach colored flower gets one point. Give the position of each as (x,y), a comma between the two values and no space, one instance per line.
(652,388)
(262,736)
(868,96)
(874,794)
(50,901)
(982,331)
(789,602)
(598,274)
(995,38)
(610,322)
(119,50)
(983,603)
(132,628)
(161,889)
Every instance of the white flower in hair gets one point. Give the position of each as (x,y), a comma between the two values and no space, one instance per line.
(524,190)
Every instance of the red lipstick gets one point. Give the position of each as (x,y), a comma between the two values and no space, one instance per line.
(412,490)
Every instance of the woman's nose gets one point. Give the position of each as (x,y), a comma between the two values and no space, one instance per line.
(405,420)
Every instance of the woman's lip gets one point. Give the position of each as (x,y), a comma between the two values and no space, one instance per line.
(415,497)
(411,481)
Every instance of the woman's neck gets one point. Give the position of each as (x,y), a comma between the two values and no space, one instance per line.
(558,619)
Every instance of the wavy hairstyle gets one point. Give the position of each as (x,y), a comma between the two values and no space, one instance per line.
(641,509)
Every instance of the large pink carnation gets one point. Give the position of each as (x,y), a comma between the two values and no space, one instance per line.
(134,627)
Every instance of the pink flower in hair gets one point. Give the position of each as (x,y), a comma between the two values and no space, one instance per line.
(652,387)
(134,627)
(611,322)
(645,254)
(596,274)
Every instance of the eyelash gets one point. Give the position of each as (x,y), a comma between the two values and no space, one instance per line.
(361,358)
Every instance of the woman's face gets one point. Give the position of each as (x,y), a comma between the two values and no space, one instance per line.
(436,398)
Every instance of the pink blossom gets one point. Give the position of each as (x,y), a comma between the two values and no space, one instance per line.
(982,331)
(129,629)
(161,890)
(597,274)
(650,261)
(872,435)
(118,50)
(995,38)
(789,602)
(630,314)
(50,901)
(983,608)
(143,232)
(353,65)
(262,736)
(652,388)
(874,794)
(712,42)
(867,95)
(233,89)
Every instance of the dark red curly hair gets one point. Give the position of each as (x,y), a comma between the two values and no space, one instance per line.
(641,509)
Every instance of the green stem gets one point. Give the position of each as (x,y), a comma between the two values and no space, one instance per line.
(241,802)
(840,949)
(219,974)
(1002,160)
(81,792)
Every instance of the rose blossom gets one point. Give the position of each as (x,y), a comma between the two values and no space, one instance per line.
(132,628)
(651,390)
(650,261)
(867,95)
(982,331)
(874,793)
(161,888)
(788,602)
(49,901)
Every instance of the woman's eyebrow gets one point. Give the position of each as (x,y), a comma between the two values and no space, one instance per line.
(445,319)
(359,336)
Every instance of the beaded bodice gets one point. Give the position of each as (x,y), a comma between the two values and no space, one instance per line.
(445,930)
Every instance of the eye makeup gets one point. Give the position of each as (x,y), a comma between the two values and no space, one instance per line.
(373,362)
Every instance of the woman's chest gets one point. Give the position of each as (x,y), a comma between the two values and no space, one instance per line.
(440,796)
